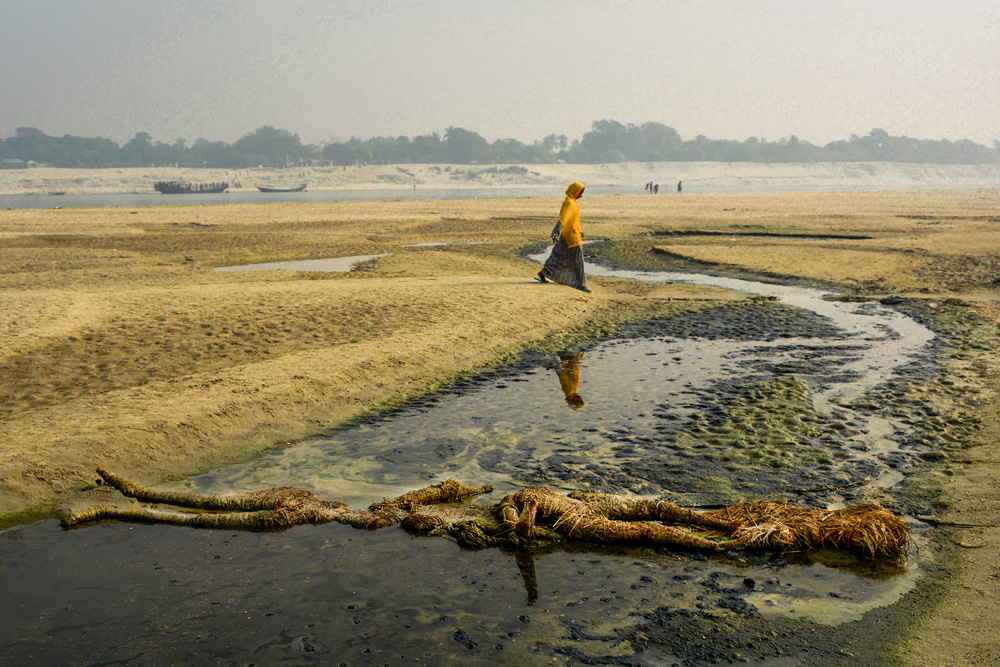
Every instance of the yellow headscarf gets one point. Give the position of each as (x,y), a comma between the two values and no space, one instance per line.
(574,188)
(569,216)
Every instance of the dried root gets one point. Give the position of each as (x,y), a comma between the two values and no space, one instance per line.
(530,515)
(597,517)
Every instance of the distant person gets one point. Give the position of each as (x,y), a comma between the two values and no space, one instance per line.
(565,263)
(678,186)
(569,379)
(656,189)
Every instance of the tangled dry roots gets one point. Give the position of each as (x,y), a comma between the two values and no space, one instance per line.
(871,530)
(598,517)
(530,515)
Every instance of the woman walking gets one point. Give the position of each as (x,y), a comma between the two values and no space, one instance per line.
(565,264)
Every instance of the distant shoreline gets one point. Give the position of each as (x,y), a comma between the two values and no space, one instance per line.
(695,176)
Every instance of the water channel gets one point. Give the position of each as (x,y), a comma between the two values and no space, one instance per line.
(757,400)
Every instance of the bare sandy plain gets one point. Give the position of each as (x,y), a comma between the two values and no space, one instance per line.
(121,344)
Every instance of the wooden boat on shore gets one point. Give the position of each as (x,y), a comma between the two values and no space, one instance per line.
(267,188)
(185,188)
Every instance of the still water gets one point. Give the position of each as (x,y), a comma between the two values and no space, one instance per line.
(123,200)
(626,415)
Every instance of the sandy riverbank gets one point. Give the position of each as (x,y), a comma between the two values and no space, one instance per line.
(697,177)
(121,345)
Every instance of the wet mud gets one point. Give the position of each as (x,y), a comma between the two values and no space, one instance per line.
(334,595)
(748,400)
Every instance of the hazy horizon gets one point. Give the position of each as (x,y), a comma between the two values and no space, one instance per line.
(329,71)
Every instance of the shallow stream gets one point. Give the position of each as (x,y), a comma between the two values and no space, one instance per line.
(762,399)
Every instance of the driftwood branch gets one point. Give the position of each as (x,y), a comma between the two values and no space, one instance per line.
(527,516)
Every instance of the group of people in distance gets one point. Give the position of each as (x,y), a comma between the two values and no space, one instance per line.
(654,188)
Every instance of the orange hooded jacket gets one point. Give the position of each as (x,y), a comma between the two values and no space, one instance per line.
(569,216)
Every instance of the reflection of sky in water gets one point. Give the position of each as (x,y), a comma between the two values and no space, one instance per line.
(331,264)
(888,339)
(468,435)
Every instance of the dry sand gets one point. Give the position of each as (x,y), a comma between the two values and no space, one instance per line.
(122,346)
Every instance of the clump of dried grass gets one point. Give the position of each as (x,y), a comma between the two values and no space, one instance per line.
(869,530)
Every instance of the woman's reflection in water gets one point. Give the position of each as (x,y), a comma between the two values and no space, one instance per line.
(569,378)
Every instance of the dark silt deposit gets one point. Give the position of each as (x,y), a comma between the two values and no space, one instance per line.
(788,395)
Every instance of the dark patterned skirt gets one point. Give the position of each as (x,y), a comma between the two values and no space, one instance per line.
(565,265)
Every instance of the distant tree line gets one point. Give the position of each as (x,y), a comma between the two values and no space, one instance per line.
(607,141)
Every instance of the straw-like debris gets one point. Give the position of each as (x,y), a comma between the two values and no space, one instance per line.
(527,516)
(866,529)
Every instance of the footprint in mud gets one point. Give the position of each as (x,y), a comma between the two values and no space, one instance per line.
(463,638)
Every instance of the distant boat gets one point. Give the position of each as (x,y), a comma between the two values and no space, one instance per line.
(185,188)
(265,188)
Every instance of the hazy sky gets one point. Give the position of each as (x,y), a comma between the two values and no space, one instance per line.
(329,70)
